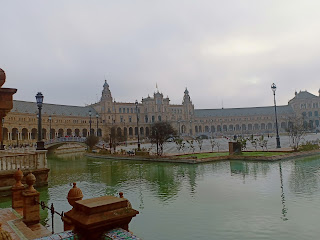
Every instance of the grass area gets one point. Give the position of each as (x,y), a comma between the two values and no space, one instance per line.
(218,154)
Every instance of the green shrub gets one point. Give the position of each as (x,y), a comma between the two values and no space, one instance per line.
(309,145)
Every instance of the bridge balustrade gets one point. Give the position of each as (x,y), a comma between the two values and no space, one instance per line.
(32,160)
(65,139)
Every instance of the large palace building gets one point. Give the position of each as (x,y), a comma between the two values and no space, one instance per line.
(20,125)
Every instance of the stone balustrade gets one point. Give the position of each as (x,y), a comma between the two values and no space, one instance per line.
(24,160)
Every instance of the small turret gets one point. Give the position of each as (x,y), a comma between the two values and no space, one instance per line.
(106,93)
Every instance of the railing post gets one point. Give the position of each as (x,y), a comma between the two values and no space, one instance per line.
(17,199)
(31,210)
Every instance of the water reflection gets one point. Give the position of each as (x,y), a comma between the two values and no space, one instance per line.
(304,176)
(283,200)
(227,200)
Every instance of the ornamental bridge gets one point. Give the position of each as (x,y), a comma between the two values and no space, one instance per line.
(53,144)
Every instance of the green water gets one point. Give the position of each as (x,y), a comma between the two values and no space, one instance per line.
(220,200)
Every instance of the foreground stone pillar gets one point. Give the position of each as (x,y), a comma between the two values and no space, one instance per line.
(17,189)
(92,217)
(31,197)
(6,102)
(75,194)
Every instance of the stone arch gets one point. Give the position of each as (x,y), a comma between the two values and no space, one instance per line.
(147,131)
(244,127)
(141,131)
(206,128)
(99,133)
(183,129)
(69,132)
(130,131)
(119,131)
(84,132)
(77,132)
(196,129)
(24,134)
(269,126)
(213,129)
(53,133)
(34,133)
(44,133)
(60,133)
(263,126)
(14,134)
(5,133)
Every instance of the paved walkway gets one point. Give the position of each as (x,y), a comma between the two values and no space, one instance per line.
(12,223)
(170,148)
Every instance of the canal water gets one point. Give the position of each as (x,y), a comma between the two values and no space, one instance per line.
(220,200)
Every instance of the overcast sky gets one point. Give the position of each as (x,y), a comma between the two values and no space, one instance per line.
(228,51)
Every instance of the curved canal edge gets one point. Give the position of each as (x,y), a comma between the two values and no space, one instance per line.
(174,159)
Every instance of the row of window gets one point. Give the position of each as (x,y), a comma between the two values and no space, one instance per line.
(316,114)
(313,105)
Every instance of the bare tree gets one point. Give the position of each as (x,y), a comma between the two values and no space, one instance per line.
(191,145)
(160,133)
(199,141)
(296,130)
(218,145)
(212,143)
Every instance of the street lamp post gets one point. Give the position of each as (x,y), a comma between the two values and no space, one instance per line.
(137,124)
(97,117)
(40,143)
(125,132)
(50,134)
(1,145)
(17,138)
(90,113)
(274,88)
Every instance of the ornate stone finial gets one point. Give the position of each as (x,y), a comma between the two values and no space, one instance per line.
(121,194)
(2,77)
(74,194)
(4,235)
(18,175)
(30,180)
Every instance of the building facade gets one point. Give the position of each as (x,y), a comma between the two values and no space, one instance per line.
(131,118)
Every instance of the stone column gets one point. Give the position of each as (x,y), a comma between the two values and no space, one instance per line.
(31,197)
(17,189)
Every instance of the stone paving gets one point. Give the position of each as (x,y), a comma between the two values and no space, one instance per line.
(170,148)
(12,223)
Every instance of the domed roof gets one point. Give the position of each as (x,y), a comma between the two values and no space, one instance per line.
(105,84)
(186,91)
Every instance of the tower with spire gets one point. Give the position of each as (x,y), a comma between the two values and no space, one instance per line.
(106,93)
(188,106)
